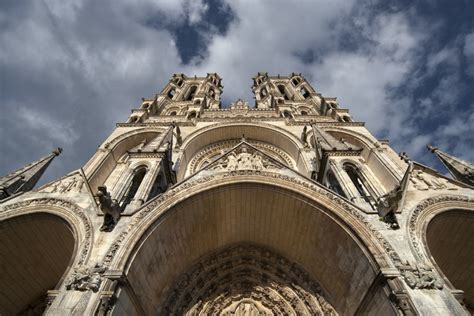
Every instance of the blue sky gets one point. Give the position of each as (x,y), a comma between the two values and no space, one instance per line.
(69,70)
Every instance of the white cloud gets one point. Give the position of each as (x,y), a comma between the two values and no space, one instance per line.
(51,129)
(469,53)
(93,60)
(196,9)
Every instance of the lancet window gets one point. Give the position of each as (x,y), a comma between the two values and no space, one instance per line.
(304,92)
(171,93)
(282,90)
(333,184)
(360,184)
(133,186)
(191,93)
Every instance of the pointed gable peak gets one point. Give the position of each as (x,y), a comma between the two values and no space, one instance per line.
(25,178)
(460,169)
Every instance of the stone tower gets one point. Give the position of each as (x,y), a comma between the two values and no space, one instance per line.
(287,207)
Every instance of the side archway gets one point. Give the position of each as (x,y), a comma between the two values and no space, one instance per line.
(442,232)
(327,241)
(40,243)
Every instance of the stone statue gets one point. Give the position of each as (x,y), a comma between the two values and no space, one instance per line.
(109,207)
(387,206)
(179,139)
(304,136)
(232,163)
(257,162)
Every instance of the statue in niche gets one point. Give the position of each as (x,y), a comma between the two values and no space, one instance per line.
(109,207)
(304,136)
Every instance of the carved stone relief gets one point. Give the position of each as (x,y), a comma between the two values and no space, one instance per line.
(68,184)
(246,280)
(244,160)
(420,276)
(85,278)
(424,181)
(210,153)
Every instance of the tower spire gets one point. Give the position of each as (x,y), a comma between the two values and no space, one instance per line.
(461,170)
(25,178)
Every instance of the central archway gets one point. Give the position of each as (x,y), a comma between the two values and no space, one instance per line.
(293,226)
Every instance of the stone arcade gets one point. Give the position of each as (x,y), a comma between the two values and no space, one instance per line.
(288,207)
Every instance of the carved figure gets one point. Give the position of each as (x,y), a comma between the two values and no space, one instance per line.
(304,136)
(232,163)
(420,276)
(109,207)
(387,205)
(85,278)
(257,162)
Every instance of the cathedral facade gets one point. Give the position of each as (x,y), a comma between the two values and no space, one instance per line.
(285,207)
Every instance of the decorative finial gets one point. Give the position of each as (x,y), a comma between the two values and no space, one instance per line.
(57,151)
(404,156)
(431,148)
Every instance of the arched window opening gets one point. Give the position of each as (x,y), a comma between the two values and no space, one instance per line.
(212,93)
(134,185)
(264,92)
(135,119)
(192,93)
(304,93)
(287,114)
(333,184)
(360,185)
(304,113)
(281,88)
(159,186)
(171,93)
(192,115)
(295,81)
(173,113)
(346,119)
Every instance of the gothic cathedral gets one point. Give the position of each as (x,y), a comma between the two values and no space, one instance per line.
(287,207)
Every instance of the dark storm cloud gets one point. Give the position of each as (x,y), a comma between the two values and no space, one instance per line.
(70,70)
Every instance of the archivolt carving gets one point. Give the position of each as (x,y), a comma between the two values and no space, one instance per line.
(72,213)
(245,278)
(208,154)
(426,210)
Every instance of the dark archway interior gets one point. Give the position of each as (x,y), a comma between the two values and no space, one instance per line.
(265,215)
(35,251)
(450,239)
